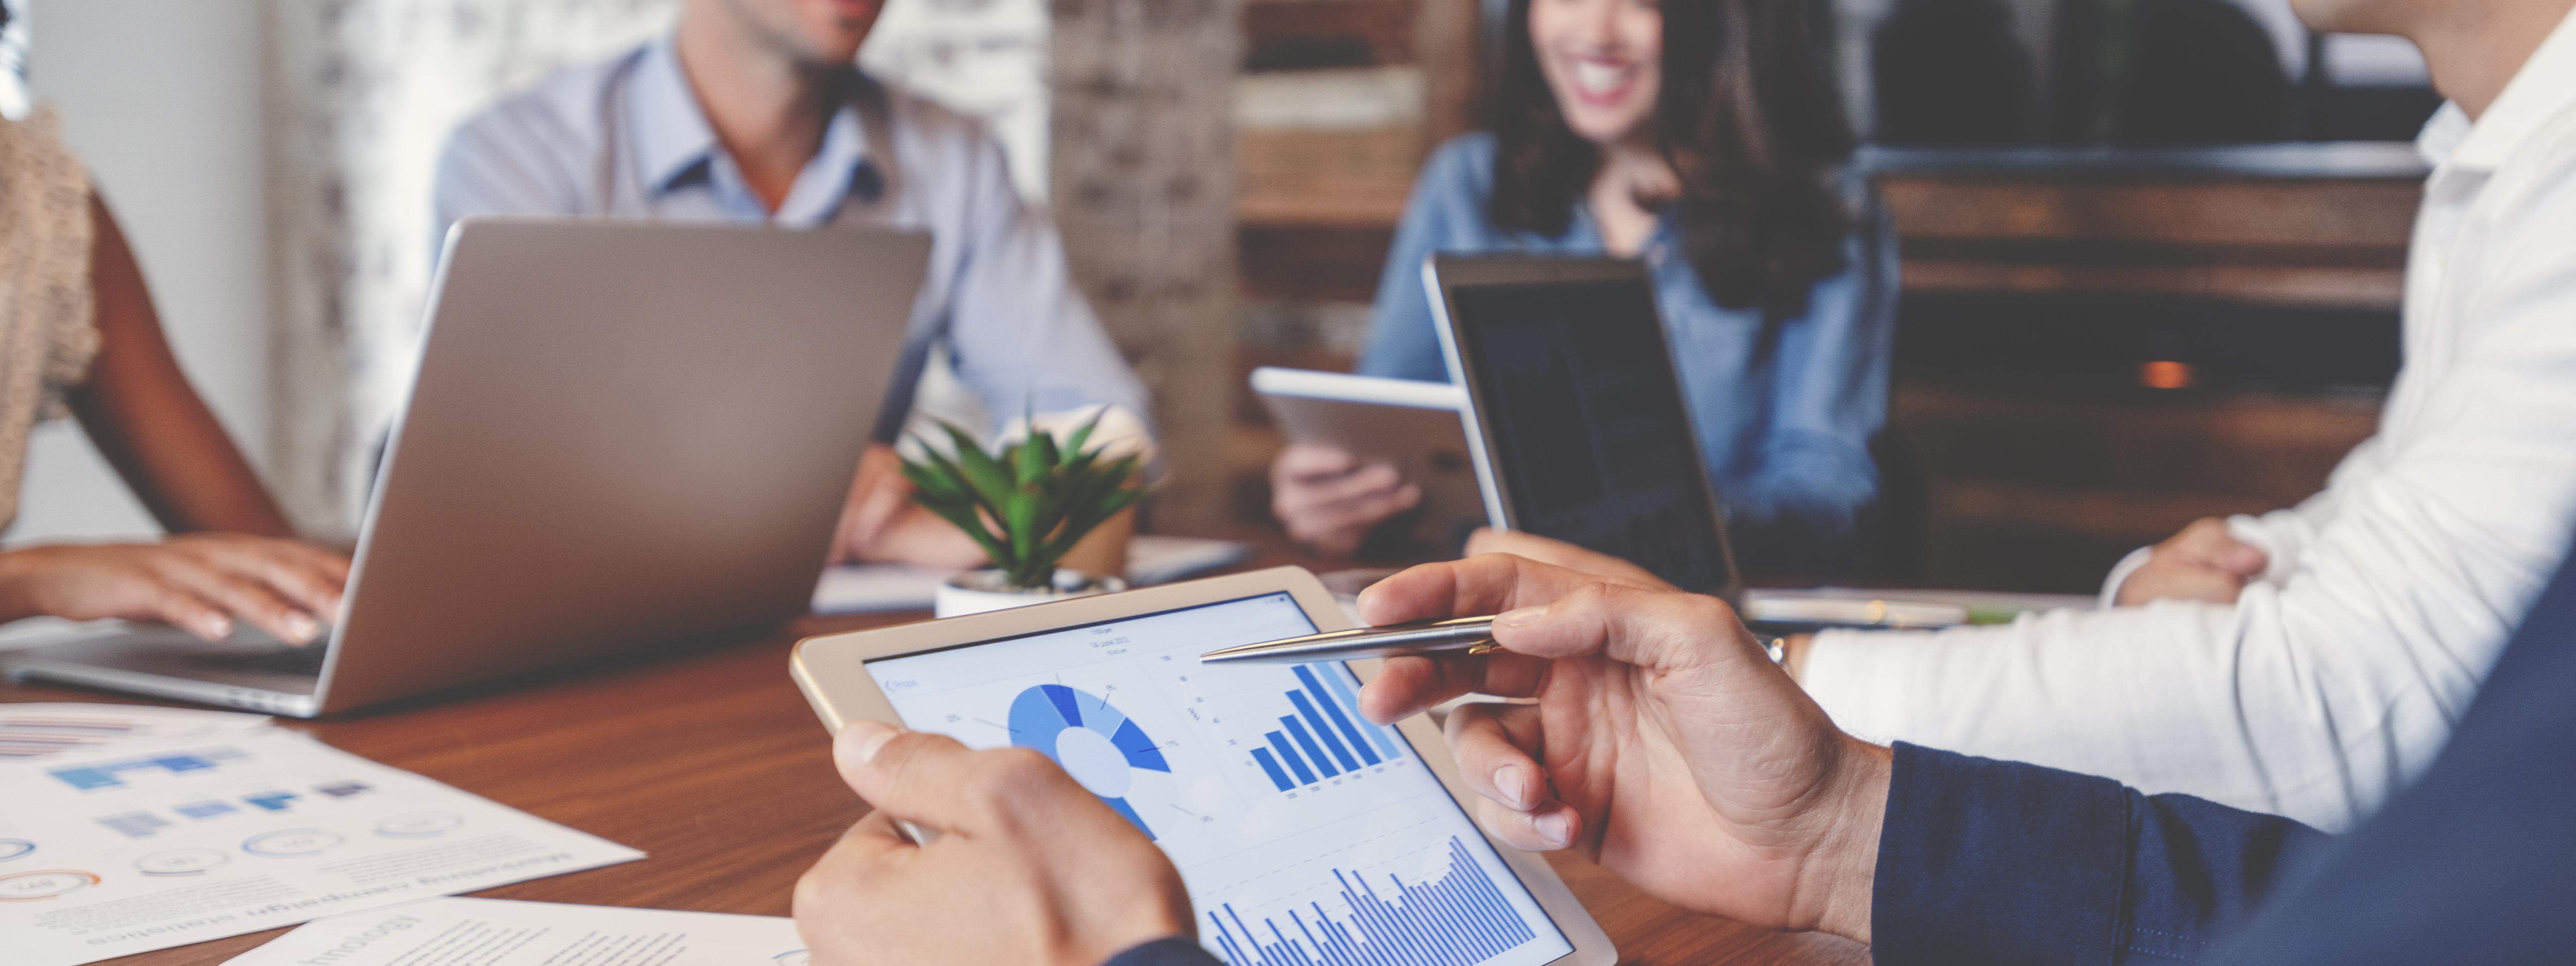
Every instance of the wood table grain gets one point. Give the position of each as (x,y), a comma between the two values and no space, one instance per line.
(710,761)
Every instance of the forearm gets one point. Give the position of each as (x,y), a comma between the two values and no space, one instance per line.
(2000,862)
(2280,704)
(20,574)
(149,423)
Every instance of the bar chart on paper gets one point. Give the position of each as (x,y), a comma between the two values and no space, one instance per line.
(1325,736)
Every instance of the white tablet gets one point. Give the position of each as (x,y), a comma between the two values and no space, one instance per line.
(1413,426)
(1304,833)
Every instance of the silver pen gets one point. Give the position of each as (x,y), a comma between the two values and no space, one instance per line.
(1474,635)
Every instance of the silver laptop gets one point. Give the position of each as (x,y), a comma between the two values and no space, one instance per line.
(622,435)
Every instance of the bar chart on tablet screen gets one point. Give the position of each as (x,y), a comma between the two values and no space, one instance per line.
(1305,833)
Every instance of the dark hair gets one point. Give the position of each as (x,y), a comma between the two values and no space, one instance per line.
(1750,119)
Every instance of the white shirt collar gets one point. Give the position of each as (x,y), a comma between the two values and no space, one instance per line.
(2544,87)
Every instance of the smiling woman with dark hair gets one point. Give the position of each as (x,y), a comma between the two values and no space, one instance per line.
(1705,137)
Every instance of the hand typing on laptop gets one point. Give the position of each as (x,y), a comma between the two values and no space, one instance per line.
(199,582)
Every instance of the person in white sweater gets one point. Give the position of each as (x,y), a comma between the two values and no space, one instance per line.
(2309,661)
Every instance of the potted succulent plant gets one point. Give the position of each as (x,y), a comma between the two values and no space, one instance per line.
(1027,505)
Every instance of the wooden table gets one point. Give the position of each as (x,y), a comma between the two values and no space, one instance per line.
(710,762)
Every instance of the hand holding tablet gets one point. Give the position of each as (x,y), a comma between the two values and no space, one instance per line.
(1056,877)
(1292,820)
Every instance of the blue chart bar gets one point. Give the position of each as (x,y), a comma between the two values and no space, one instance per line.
(1339,720)
(1458,918)
(135,824)
(1307,742)
(1279,743)
(271,801)
(1271,765)
(1385,743)
(107,775)
(1326,735)
(1306,709)
(206,809)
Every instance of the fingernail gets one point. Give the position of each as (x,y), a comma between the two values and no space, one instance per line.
(1513,782)
(217,627)
(1519,618)
(1554,828)
(301,628)
(860,742)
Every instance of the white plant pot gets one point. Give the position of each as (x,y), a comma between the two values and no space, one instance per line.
(977,591)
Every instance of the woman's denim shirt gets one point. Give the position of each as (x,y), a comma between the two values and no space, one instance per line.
(1784,406)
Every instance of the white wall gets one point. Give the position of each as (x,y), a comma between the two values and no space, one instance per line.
(162,99)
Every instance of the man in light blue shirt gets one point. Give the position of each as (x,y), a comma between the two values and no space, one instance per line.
(752,111)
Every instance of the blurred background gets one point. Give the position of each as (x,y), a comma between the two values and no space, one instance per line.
(2152,248)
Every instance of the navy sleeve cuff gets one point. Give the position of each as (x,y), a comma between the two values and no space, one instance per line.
(1175,951)
(1995,862)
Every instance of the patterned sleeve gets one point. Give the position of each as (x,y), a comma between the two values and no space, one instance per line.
(45,207)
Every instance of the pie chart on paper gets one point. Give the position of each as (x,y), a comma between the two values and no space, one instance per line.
(1093,741)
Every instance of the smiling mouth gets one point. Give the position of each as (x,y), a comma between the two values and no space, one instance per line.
(1601,81)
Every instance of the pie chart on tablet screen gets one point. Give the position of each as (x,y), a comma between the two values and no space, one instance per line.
(1093,741)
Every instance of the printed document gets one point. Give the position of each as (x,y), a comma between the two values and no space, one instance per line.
(498,932)
(195,833)
(44,730)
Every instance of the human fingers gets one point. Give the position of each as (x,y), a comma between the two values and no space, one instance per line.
(2179,581)
(1498,748)
(1301,460)
(934,781)
(1483,584)
(308,576)
(1558,552)
(864,853)
(156,600)
(1315,493)
(1662,630)
(1408,686)
(223,577)
(2208,541)
(328,565)
(1547,828)
(1353,517)
(834,898)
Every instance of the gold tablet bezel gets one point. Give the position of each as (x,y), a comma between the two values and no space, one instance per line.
(831,670)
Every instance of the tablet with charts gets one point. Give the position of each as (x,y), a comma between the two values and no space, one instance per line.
(1304,833)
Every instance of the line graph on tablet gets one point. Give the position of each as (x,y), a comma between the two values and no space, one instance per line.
(1305,833)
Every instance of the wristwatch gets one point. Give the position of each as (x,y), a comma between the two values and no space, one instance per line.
(1776,647)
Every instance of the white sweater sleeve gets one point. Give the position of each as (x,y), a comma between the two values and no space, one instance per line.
(2283,535)
(2280,534)
(2320,691)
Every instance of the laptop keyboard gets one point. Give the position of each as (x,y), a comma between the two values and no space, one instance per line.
(284,660)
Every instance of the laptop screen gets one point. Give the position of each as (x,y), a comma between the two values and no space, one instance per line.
(1589,435)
